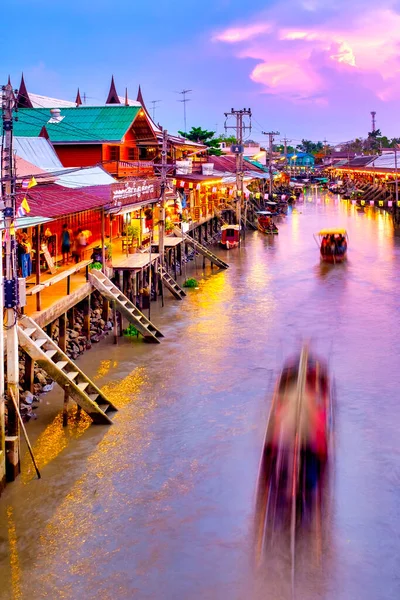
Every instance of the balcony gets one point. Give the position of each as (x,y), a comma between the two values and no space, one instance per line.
(131,168)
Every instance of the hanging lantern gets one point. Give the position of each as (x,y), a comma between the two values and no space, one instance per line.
(174,182)
(181,184)
(353,202)
(214,190)
(190,186)
(398,204)
(362,202)
(239,192)
(371,202)
(247,194)
(198,186)
(231,192)
(258,195)
(380,202)
(390,204)
(223,190)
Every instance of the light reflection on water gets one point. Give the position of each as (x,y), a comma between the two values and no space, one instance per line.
(160,505)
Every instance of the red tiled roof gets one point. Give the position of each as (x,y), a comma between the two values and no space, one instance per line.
(55,201)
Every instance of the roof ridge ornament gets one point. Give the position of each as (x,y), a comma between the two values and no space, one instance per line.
(112,97)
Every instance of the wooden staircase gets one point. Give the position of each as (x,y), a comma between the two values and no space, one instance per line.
(201,249)
(110,291)
(43,350)
(171,284)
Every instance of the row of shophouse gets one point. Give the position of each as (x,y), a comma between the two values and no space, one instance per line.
(94,171)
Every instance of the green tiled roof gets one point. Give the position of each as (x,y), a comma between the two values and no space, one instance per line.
(256,164)
(81,124)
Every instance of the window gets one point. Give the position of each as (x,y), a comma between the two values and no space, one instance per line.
(142,153)
(114,152)
(131,154)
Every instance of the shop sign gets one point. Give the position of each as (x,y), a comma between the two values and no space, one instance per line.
(135,191)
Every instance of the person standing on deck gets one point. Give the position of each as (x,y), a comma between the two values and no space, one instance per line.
(65,244)
(80,245)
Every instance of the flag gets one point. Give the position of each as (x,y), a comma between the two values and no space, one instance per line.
(26,206)
(24,209)
(32,183)
(25,184)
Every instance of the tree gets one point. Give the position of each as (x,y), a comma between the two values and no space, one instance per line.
(281,149)
(203,136)
(310,147)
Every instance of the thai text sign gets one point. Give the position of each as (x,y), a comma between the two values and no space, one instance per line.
(139,190)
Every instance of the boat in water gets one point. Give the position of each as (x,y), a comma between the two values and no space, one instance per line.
(297,446)
(230,236)
(332,244)
(265,223)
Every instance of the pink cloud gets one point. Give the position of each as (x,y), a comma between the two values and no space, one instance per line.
(240,34)
(310,59)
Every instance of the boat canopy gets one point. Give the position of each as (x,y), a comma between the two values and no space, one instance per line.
(264,213)
(332,231)
(227,226)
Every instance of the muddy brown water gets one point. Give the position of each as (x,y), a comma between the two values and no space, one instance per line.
(160,505)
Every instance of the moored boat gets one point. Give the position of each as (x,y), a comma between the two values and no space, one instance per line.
(230,236)
(265,223)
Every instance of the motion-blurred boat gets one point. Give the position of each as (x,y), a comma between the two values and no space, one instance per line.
(297,445)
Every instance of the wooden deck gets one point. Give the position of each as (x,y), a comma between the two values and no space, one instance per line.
(169,242)
(133,262)
(55,301)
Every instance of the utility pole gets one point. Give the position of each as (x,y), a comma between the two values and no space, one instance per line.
(270,135)
(153,107)
(373,115)
(10,283)
(238,149)
(161,223)
(184,93)
(285,142)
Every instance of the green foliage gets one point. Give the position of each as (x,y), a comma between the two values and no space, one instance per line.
(191,283)
(203,136)
(131,331)
(281,149)
(96,265)
(310,147)
(133,231)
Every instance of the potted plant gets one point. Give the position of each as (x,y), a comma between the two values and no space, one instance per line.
(133,237)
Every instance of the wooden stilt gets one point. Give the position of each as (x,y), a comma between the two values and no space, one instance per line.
(115,321)
(29,373)
(37,250)
(62,332)
(106,310)
(86,317)
(71,318)
(65,406)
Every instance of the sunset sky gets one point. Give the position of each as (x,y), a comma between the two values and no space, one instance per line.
(307,68)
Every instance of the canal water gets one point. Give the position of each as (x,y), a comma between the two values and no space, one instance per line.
(160,505)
